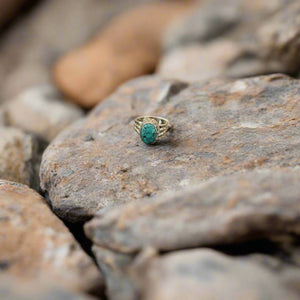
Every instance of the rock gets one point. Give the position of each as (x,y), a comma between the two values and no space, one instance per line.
(252,206)
(9,8)
(207,274)
(209,21)
(42,111)
(256,44)
(220,127)
(20,156)
(35,290)
(114,265)
(37,246)
(32,45)
(217,18)
(197,62)
(128,47)
(231,209)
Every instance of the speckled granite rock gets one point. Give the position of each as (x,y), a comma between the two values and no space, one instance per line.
(206,274)
(36,245)
(263,38)
(12,288)
(30,47)
(20,156)
(224,210)
(220,127)
(42,111)
(128,47)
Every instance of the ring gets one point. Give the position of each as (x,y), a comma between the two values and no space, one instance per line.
(151,128)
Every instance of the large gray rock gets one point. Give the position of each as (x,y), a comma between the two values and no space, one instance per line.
(262,38)
(220,127)
(42,111)
(35,245)
(249,206)
(20,156)
(206,274)
(255,207)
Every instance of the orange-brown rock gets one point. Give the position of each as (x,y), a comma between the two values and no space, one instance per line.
(34,243)
(128,47)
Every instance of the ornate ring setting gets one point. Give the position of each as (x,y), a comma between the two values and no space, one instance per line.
(151,128)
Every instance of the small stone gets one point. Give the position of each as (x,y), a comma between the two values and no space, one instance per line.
(20,156)
(148,133)
(36,245)
(42,111)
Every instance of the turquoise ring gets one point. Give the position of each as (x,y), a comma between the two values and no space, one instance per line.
(151,128)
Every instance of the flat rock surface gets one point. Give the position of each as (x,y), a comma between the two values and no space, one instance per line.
(223,210)
(35,244)
(20,156)
(41,110)
(257,37)
(206,274)
(220,127)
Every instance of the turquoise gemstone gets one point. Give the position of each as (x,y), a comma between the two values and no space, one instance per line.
(148,133)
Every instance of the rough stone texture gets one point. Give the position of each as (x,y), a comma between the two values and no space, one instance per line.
(224,210)
(248,207)
(20,156)
(35,244)
(42,111)
(12,288)
(9,8)
(206,274)
(220,127)
(261,38)
(30,47)
(128,47)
